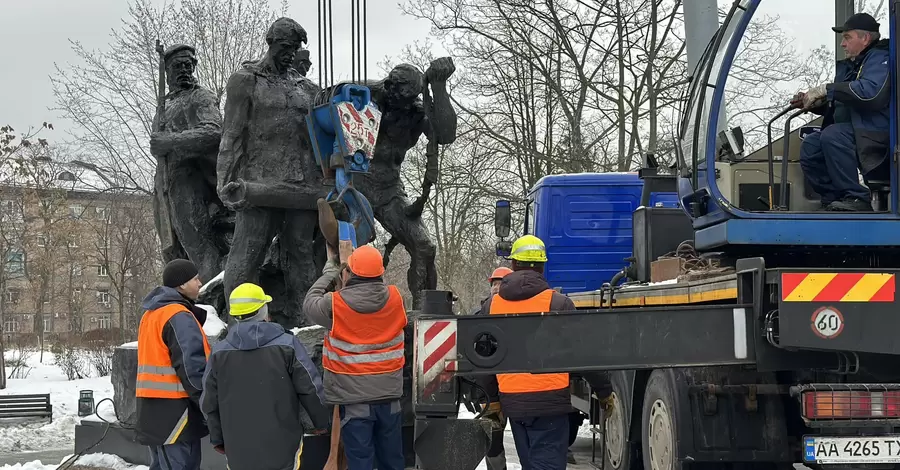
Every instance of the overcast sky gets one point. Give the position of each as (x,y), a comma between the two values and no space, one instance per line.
(34,34)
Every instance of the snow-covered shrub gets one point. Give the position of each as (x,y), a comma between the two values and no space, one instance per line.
(73,362)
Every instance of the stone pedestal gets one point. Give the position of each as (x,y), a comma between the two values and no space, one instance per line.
(124,377)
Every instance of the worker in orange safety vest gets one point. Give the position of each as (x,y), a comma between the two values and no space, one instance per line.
(537,405)
(363,357)
(172,354)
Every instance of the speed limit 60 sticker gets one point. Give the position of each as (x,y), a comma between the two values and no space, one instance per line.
(827,322)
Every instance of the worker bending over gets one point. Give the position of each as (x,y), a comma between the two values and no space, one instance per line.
(172,352)
(537,405)
(256,384)
(363,357)
(856,125)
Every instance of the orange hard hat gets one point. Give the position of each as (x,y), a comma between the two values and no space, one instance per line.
(366,261)
(499,273)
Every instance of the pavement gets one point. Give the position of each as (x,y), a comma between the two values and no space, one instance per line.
(45,456)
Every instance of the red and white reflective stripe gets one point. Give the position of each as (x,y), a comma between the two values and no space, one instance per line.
(435,352)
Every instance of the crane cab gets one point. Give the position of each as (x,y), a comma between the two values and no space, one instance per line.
(744,201)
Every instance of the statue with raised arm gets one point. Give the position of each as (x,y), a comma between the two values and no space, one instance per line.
(266,170)
(185,141)
(405,118)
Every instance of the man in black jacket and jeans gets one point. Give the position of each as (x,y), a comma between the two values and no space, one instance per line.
(256,382)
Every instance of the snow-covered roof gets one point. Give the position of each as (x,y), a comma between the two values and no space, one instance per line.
(45,173)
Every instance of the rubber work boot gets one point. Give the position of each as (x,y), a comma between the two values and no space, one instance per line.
(328,224)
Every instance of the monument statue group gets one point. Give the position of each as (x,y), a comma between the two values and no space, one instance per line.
(237,191)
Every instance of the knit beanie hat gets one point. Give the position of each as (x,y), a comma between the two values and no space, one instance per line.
(178,272)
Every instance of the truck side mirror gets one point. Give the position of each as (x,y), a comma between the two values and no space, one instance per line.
(502,219)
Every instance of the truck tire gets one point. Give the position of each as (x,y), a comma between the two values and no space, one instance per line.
(618,452)
(659,425)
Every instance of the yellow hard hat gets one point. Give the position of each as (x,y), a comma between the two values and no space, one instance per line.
(246,298)
(528,249)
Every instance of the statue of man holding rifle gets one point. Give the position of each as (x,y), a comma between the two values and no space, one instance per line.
(187,129)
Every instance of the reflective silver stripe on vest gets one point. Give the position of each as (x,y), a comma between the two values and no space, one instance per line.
(158,370)
(528,248)
(361,348)
(161,386)
(364,358)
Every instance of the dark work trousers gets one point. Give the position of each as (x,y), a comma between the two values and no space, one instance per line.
(829,162)
(373,436)
(178,456)
(496,455)
(542,442)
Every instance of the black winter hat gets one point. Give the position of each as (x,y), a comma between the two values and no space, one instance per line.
(178,272)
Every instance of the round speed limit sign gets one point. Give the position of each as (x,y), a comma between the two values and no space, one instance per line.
(827,322)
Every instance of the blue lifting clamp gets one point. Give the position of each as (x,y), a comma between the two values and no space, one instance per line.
(344,127)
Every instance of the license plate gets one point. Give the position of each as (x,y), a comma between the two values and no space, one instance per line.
(868,449)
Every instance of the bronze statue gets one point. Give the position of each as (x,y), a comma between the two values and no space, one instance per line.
(266,170)
(191,220)
(404,119)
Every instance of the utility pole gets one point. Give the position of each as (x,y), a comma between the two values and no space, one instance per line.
(843,9)
(701,21)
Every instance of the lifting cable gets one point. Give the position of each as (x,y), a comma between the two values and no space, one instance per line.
(359,58)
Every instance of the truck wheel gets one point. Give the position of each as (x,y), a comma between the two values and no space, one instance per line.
(617,451)
(659,425)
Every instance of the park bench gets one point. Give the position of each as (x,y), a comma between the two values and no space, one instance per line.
(26,406)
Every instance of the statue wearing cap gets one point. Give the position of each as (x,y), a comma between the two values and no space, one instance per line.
(186,150)
(266,170)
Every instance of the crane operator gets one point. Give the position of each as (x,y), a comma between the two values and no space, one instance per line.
(855,128)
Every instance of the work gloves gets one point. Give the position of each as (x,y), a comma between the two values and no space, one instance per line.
(812,98)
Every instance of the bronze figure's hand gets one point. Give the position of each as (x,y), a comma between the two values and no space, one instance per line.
(232,195)
(440,70)
(160,143)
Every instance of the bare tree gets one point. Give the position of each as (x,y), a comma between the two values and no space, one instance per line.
(110,95)
(125,246)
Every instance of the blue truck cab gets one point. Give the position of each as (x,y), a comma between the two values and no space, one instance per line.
(585,221)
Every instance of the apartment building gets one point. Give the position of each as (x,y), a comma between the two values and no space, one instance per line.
(79,253)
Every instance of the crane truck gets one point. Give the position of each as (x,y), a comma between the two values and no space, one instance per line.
(749,328)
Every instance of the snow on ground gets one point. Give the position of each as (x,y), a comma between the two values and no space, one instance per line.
(104,461)
(39,434)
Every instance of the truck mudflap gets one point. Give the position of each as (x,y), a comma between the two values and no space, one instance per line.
(838,310)
(442,440)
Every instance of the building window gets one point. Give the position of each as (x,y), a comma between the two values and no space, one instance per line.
(45,298)
(12,296)
(73,242)
(104,322)
(76,293)
(11,211)
(42,240)
(77,270)
(48,323)
(103,296)
(102,213)
(76,210)
(15,262)
(11,326)
(102,270)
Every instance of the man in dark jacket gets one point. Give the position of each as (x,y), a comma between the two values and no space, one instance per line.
(537,405)
(172,352)
(255,385)
(856,126)
(363,357)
